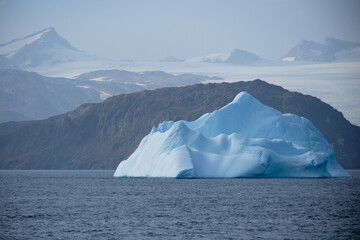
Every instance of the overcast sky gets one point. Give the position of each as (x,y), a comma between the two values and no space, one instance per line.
(150,30)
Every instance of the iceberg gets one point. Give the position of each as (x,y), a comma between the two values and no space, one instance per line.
(243,139)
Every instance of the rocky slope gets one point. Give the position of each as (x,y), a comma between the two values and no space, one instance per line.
(99,136)
(30,96)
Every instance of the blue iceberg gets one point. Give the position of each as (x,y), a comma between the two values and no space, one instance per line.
(243,139)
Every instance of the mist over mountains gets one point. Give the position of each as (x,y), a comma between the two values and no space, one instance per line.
(236,57)
(49,54)
(48,49)
(30,96)
(333,50)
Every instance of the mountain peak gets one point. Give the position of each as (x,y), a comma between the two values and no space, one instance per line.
(239,56)
(48,29)
(333,50)
(42,47)
(305,50)
(243,96)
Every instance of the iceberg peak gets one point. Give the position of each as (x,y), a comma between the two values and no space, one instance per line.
(243,96)
(245,138)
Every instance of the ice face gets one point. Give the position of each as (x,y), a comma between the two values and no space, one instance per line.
(243,139)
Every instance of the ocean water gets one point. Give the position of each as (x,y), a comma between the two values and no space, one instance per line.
(94,205)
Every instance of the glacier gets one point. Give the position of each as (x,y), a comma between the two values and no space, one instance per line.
(243,139)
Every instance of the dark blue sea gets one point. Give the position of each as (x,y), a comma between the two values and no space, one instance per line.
(94,205)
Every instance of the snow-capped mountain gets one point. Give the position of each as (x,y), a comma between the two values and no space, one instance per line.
(333,50)
(236,57)
(304,51)
(45,47)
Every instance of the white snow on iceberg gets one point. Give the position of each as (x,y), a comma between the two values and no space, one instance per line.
(243,139)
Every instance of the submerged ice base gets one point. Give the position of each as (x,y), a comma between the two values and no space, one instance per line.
(243,139)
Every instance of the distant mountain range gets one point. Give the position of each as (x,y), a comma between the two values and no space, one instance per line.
(333,50)
(30,96)
(171,59)
(100,135)
(236,57)
(47,49)
(145,80)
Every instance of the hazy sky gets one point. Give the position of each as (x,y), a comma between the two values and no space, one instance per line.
(150,30)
